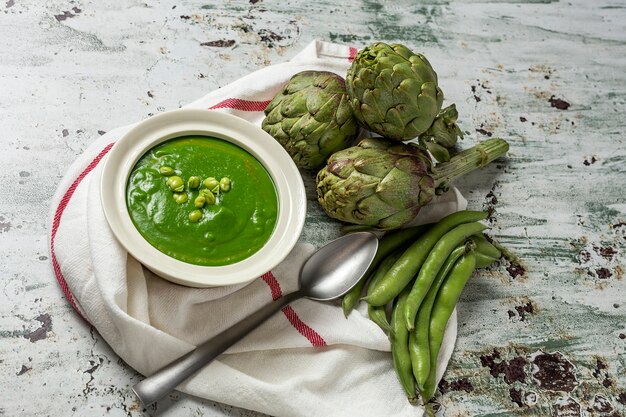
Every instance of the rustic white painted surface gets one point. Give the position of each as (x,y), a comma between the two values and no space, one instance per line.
(69,69)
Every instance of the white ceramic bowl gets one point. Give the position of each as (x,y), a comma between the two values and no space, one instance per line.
(155,130)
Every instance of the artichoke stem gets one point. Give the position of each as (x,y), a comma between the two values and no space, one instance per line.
(469,160)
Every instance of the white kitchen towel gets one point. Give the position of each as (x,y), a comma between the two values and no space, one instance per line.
(308,360)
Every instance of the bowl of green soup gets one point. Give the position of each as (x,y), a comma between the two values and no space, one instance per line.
(203,198)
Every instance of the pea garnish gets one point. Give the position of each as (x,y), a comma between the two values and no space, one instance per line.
(208,196)
(225,184)
(205,196)
(193,182)
(199,201)
(166,171)
(175,183)
(195,216)
(180,198)
(211,183)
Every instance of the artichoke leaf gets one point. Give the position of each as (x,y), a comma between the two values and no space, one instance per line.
(385,82)
(301,115)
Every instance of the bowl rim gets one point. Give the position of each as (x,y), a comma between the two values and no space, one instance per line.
(182,122)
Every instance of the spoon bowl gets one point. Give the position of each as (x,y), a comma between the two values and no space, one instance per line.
(328,274)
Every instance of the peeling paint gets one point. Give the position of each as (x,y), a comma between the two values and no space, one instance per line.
(524,309)
(67,14)
(222,43)
(94,365)
(461,384)
(566,407)
(512,370)
(516,396)
(602,404)
(270,38)
(23,370)
(515,269)
(553,372)
(42,331)
(558,103)
(5,226)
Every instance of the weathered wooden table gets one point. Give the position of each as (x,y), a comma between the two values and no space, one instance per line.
(545,337)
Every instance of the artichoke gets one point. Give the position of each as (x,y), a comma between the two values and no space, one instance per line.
(393,91)
(311,117)
(383,183)
(442,134)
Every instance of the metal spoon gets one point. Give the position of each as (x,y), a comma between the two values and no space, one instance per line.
(329,273)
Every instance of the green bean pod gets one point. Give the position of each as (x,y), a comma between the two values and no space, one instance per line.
(486,253)
(419,347)
(484,246)
(506,253)
(483,261)
(446,300)
(377,313)
(351,298)
(399,338)
(387,244)
(411,261)
(432,265)
(383,267)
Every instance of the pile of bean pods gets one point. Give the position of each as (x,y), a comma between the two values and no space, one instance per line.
(418,274)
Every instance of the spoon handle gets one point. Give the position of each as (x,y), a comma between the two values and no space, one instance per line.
(163,381)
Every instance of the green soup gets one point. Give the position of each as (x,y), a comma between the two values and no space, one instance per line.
(234,227)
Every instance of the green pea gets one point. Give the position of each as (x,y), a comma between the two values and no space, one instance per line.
(166,171)
(211,183)
(209,197)
(225,184)
(199,201)
(195,216)
(175,183)
(193,182)
(180,198)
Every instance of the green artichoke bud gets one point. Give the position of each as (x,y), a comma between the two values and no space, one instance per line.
(442,134)
(383,184)
(393,91)
(311,117)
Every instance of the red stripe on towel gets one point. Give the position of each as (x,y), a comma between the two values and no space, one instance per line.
(240,104)
(271,280)
(353,52)
(57,220)
(302,328)
(306,331)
